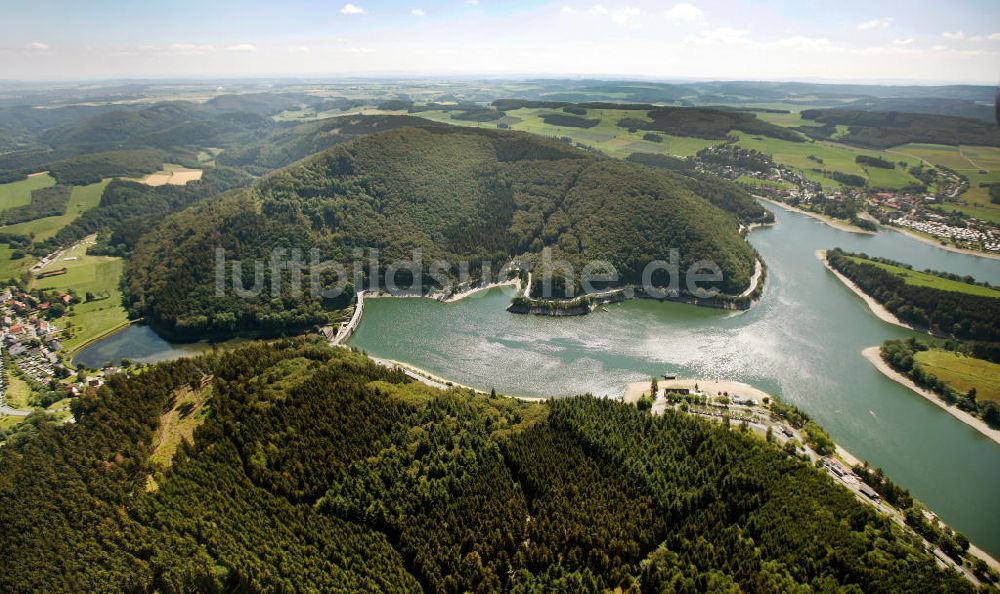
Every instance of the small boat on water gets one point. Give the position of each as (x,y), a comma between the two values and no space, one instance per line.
(669,377)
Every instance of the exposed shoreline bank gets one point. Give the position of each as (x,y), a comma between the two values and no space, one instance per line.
(875,358)
(835,223)
(876,308)
(427,378)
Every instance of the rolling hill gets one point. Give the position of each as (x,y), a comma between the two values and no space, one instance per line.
(455,194)
(311,469)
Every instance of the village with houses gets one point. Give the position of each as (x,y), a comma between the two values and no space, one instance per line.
(918,209)
(31,343)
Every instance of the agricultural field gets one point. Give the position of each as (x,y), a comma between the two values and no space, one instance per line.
(81,200)
(922,279)
(174,175)
(962,372)
(618,142)
(19,193)
(606,136)
(980,164)
(834,157)
(98,275)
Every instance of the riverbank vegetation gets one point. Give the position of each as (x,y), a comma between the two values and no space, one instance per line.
(971,384)
(427,490)
(937,301)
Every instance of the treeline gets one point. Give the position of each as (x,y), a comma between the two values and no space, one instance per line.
(570,121)
(736,156)
(81,146)
(707,123)
(457,194)
(45,202)
(318,470)
(899,354)
(874,162)
(284,146)
(962,315)
(892,128)
(128,209)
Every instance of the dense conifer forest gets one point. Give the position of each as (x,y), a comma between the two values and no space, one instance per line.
(315,469)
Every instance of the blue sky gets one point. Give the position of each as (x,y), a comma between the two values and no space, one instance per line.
(846,40)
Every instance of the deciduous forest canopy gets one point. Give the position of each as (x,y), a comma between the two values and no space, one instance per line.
(456,194)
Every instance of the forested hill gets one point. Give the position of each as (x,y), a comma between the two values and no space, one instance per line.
(315,470)
(455,193)
(286,145)
(891,128)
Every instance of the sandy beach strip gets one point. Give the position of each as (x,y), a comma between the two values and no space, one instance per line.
(514,282)
(836,224)
(873,356)
(635,390)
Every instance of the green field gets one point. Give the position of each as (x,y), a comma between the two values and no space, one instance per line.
(10,268)
(835,157)
(962,372)
(17,393)
(922,279)
(19,193)
(618,142)
(607,136)
(81,200)
(980,164)
(97,274)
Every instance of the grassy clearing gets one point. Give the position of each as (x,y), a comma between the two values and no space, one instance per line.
(962,372)
(17,393)
(178,424)
(98,275)
(81,200)
(19,193)
(922,279)
(10,268)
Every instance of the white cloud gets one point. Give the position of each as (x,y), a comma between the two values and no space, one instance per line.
(418,12)
(991,37)
(684,12)
(907,41)
(804,43)
(597,10)
(567,10)
(472,2)
(953,35)
(721,36)
(875,24)
(939,48)
(625,16)
(37,46)
(242,47)
(190,49)
(352,9)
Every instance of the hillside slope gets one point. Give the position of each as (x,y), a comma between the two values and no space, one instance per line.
(319,471)
(455,194)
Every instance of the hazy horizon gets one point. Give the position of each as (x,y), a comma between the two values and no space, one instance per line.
(877,42)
